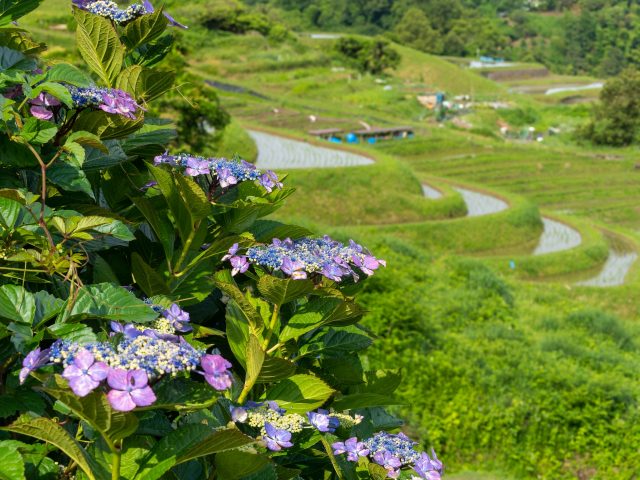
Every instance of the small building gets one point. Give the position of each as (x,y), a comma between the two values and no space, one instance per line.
(330,134)
(374,135)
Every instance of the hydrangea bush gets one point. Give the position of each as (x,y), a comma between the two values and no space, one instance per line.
(153,324)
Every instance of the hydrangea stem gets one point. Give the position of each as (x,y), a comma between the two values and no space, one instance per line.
(115,466)
(185,249)
(116,454)
(332,458)
(272,326)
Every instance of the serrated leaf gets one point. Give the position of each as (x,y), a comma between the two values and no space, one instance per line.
(147,278)
(109,302)
(335,342)
(76,153)
(184,395)
(225,282)
(12,10)
(47,307)
(186,200)
(255,358)
(50,432)
(280,291)
(88,139)
(99,45)
(309,316)
(64,72)
(69,177)
(12,463)
(145,29)
(274,369)
(300,393)
(267,230)
(186,443)
(12,60)
(9,213)
(38,131)
(13,154)
(160,224)
(17,304)
(219,441)
(363,400)
(145,84)
(236,465)
(74,332)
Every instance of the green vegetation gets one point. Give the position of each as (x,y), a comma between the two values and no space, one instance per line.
(616,120)
(568,36)
(509,368)
(371,56)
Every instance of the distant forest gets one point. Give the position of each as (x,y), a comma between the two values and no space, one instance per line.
(596,37)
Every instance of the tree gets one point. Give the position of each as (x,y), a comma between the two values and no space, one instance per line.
(414,29)
(613,62)
(372,56)
(616,119)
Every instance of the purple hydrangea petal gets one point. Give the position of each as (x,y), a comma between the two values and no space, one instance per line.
(121,400)
(41,112)
(82,385)
(143,397)
(84,359)
(99,371)
(117,379)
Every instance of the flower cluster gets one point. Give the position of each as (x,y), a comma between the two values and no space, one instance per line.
(110,10)
(134,357)
(393,452)
(276,427)
(226,172)
(300,258)
(110,100)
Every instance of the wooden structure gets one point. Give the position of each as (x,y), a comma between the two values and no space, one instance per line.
(384,133)
(331,134)
(371,135)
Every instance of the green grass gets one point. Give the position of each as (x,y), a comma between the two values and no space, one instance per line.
(236,141)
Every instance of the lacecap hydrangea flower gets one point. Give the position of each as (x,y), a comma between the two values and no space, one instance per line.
(277,428)
(298,259)
(393,452)
(135,357)
(110,10)
(110,100)
(226,172)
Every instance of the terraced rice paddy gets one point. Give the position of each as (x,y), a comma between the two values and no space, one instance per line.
(574,88)
(614,271)
(479,204)
(277,152)
(281,153)
(556,237)
(431,193)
